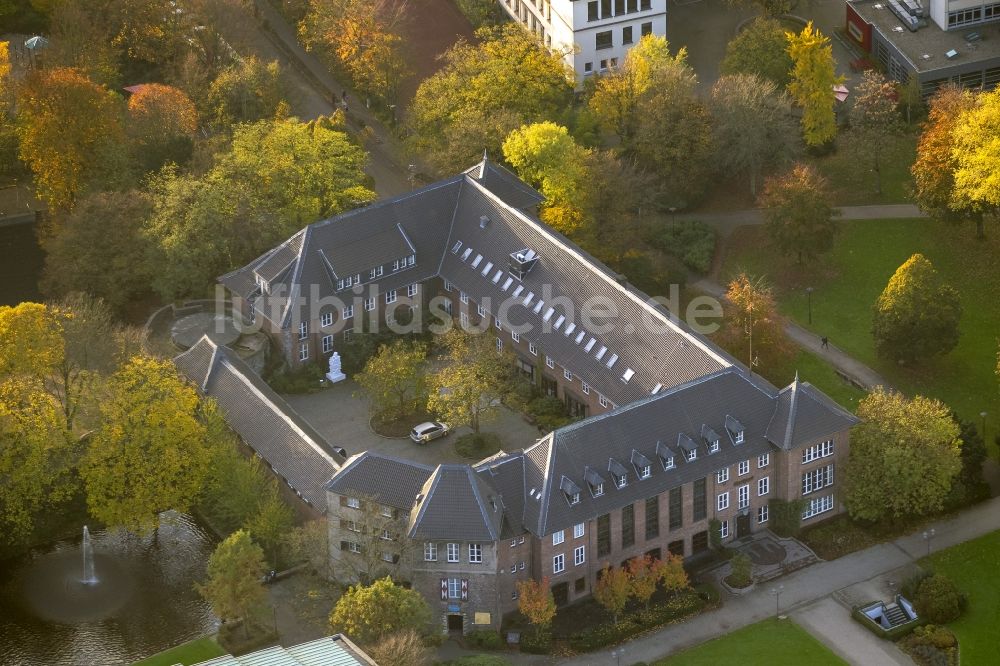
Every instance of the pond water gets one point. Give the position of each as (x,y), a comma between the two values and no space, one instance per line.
(143,602)
(21,261)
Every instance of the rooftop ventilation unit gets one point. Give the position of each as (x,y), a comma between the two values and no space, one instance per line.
(521,262)
(484,222)
(951,55)
(903,14)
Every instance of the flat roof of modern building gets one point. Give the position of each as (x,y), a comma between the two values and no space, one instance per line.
(334,650)
(926,48)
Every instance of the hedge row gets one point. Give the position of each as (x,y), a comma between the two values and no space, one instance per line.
(678,607)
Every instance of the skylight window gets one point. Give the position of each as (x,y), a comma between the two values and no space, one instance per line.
(456,247)
(628,375)
(601,352)
(478,260)
(518,290)
(465,255)
(549,313)
(657,389)
(496,278)
(613,360)
(538,306)
(580,336)
(506,285)
(530,297)
(569,329)
(590,345)
(487,268)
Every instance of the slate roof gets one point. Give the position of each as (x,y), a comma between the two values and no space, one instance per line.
(391,481)
(506,185)
(667,422)
(263,420)
(455,503)
(646,350)
(505,474)
(804,413)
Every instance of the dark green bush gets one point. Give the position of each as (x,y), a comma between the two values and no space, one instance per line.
(691,241)
(484,639)
(931,645)
(631,624)
(536,642)
(786,516)
(938,600)
(304,380)
(742,568)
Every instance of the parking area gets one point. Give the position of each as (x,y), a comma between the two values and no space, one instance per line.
(340,414)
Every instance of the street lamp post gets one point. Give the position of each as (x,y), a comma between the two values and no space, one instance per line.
(617,655)
(809,297)
(983,431)
(928,535)
(776,592)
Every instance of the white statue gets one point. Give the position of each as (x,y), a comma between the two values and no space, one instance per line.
(335,375)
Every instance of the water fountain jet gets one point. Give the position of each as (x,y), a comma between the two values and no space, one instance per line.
(88,559)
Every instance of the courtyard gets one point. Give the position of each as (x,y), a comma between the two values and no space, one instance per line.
(340,413)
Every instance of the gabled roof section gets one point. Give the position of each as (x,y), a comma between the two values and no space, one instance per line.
(505,474)
(391,481)
(262,418)
(638,432)
(512,190)
(803,413)
(455,503)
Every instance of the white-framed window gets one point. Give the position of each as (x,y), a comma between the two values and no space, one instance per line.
(430,552)
(645,471)
(464,297)
(567,375)
(476,553)
(453,552)
(513,568)
(743,500)
(817,451)
(763,486)
(369,304)
(480,310)
(520,565)
(691,455)
(513,543)
(513,595)
(744,468)
(388,557)
(347,312)
(722,475)
(578,530)
(558,537)
(579,555)
(499,345)
(620,481)
(326,319)
(550,362)
(385,535)
(739,437)
(574,498)
(454,588)
(351,525)
(348,335)
(496,324)
(724,529)
(386,511)
(601,400)
(390,296)
(532,349)
(515,336)
(585,387)
(411,290)
(327,344)
(598,490)
(762,514)
(303,330)
(304,351)
(448,286)
(558,563)
(353,547)
(668,462)
(463,318)
(713,447)
(818,505)
(763,460)
(354,502)
(817,479)
(722,501)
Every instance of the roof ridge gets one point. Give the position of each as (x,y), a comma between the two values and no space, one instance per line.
(793,406)
(474,481)
(433,480)
(293,285)
(380,203)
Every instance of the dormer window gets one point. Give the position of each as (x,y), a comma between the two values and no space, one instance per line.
(692,455)
(735,429)
(643,467)
(645,472)
(665,455)
(570,490)
(713,447)
(595,481)
(739,437)
(711,439)
(687,445)
(618,473)
(621,481)
(262,284)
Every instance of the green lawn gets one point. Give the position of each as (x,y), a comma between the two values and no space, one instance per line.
(768,643)
(972,565)
(849,279)
(853,182)
(200,649)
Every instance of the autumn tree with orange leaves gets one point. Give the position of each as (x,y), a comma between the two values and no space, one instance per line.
(535,601)
(613,589)
(161,124)
(71,134)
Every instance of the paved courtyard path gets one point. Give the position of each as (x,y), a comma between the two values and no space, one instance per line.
(831,623)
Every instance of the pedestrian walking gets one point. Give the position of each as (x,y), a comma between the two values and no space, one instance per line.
(825,342)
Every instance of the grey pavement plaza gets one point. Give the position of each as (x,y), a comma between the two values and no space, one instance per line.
(340,414)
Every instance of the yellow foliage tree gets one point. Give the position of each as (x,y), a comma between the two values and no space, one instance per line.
(68,127)
(976,154)
(150,453)
(813,79)
(31,342)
